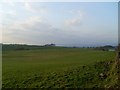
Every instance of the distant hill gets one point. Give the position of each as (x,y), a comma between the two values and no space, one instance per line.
(6,47)
(9,47)
(109,47)
(106,48)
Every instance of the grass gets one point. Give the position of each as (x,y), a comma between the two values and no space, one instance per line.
(56,67)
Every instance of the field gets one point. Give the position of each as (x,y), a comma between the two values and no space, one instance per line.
(57,67)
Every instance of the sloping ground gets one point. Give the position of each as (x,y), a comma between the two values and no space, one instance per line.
(112,81)
(102,74)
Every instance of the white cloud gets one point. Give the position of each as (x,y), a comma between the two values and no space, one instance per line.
(7,11)
(10,3)
(73,22)
(23,25)
(12,13)
(34,31)
(76,20)
(29,7)
(27,31)
(6,15)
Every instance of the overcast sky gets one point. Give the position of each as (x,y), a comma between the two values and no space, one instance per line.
(69,24)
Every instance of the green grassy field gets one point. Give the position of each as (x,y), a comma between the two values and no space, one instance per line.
(55,67)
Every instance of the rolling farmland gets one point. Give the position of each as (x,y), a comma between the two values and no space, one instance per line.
(57,67)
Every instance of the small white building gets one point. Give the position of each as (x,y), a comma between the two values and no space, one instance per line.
(111,49)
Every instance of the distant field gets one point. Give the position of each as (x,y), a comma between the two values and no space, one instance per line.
(42,67)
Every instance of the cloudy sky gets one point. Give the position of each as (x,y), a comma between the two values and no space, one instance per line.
(69,24)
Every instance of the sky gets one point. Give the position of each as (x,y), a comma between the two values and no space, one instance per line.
(61,23)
